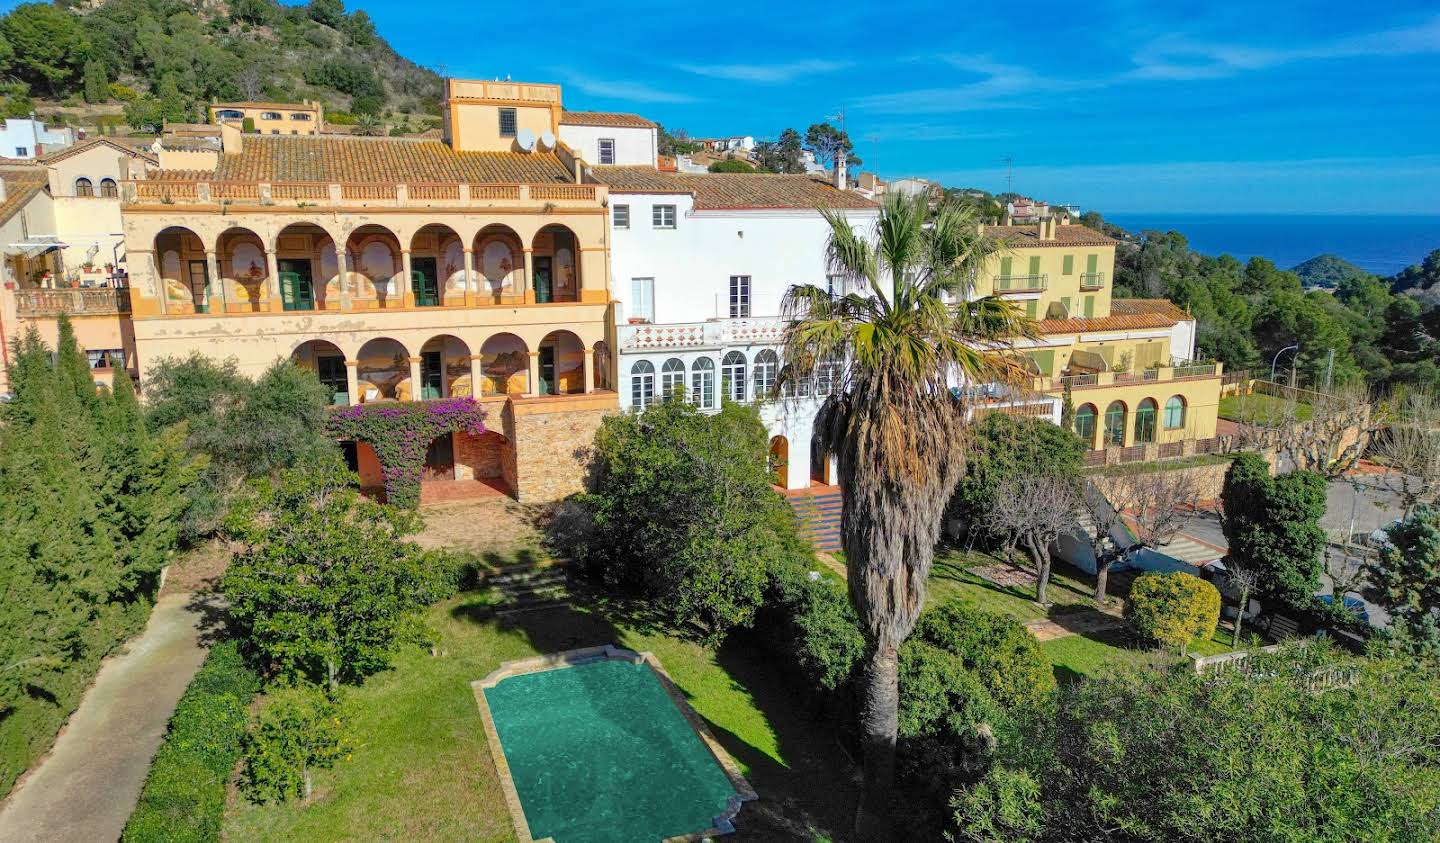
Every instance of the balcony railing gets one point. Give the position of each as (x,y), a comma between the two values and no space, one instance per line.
(1021,283)
(717,332)
(368,194)
(96,302)
(1092,280)
(1189,369)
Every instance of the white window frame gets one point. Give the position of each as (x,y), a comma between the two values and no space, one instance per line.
(642,298)
(620,215)
(732,376)
(605,150)
(702,383)
(642,384)
(767,369)
(672,379)
(658,214)
(740,297)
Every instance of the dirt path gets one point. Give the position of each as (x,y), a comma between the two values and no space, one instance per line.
(85,789)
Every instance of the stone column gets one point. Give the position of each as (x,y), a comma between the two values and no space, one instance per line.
(272,267)
(214,282)
(415,378)
(352,380)
(469,277)
(525,284)
(532,385)
(477,366)
(408,290)
(589,355)
(342,268)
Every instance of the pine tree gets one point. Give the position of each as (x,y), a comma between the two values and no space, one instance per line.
(97,86)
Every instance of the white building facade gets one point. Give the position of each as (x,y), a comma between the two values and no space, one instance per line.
(603,137)
(26,139)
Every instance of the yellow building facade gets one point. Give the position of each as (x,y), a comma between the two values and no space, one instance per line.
(1126,365)
(273,118)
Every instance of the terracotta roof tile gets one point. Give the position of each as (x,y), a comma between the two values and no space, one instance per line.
(1125,315)
(605,118)
(117,145)
(733,191)
(332,159)
(1028,236)
(21,185)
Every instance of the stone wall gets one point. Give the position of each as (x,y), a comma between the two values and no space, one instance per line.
(552,449)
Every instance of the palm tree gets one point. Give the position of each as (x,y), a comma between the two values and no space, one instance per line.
(895,426)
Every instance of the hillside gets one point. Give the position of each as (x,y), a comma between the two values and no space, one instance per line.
(1327,271)
(140,62)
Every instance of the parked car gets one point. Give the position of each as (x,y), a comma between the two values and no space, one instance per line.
(1354,604)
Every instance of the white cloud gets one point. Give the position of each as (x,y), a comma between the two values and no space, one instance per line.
(766,74)
(622,89)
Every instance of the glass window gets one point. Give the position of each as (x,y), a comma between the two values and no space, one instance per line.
(835,285)
(702,383)
(767,366)
(672,379)
(299,115)
(732,376)
(642,384)
(1115,424)
(662,216)
(83,187)
(642,298)
(621,215)
(22,152)
(1145,421)
(739,297)
(1175,413)
(108,189)
(607,150)
(229,114)
(105,358)
(1085,423)
(270,115)
(508,123)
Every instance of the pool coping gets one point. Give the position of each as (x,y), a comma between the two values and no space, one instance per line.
(722,824)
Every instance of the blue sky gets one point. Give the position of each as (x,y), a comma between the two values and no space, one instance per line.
(1120,106)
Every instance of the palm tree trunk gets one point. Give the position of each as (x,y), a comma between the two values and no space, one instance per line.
(879,723)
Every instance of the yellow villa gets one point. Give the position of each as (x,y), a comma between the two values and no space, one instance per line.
(1126,364)
(397,269)
(273,118)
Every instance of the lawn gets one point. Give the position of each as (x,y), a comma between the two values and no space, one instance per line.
(1262,409)
(422,770)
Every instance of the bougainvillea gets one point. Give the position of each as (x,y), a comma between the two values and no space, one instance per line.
(401,432)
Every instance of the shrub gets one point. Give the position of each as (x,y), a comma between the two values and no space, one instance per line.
(1005,448)
(1003,655)
(948,721)
(124,93)
(1173,609)
(809,623)
(731,165)
(1003,808)
(184,796)
(298,728)
(401,433)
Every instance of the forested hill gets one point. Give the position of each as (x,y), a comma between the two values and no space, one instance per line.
(154,60)
(1327,271)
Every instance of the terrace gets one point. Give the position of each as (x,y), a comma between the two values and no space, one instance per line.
(306,194)
(77,302)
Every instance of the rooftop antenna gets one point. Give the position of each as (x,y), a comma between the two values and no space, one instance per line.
(1009,173)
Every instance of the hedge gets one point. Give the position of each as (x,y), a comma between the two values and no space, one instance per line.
(184,797)
(1173,609)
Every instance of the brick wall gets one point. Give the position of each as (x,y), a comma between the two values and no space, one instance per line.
(480,457)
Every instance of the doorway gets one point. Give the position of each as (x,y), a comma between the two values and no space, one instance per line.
(424,282)
(432,374)
(547,370)
(297,289)
(544,267)
(200,286)
(440,458)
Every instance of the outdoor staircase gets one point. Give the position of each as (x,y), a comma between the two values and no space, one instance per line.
(531,588)
(818,511)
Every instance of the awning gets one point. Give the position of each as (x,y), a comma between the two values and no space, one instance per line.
(1087,362)
(34,247)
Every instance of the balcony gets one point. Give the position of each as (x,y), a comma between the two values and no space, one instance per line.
(1021,283)
(1185,370)
(378,195)
(78,302)
(711,334)
(1091,281)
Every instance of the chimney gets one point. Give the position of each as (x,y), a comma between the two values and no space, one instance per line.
(842,177)
(1047,228)
(2,190)
(231,137)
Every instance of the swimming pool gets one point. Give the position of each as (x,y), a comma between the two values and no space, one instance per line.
(598,746)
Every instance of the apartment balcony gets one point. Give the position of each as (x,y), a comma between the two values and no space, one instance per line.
(1021,283)
(1091,281)
(710,334)
(367,194)
(1187,370)
(77,302)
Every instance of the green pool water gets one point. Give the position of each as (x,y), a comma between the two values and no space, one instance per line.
(600,754)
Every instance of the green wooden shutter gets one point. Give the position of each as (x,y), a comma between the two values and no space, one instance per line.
(1003,281)
(1065,303)
(1068,267)
(1044,360)
(1034,266)
(1030,308)
(1089,306)
(1092,264)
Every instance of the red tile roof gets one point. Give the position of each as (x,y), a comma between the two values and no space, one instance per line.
(1028,236)
(1125,315)
(605,118)
(117,145)
(733,191)
(21,185)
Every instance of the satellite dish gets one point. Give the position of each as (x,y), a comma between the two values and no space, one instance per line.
(525,139)
(547,140)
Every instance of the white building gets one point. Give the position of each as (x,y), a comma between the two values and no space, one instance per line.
(27,139)
(603,137)
(739,143)
(700,264)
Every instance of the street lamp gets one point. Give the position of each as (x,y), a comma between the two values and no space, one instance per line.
(1295,348)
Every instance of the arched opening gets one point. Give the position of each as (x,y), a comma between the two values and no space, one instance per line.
(504,366)
(604,366)
(108,189)
(84,188)
(642,384)
(767,368)
(383,371)
(562,364)
(499,265)
(440,458)
(327,361)
(1085,424)
(732,376)
(436,258)
(1115,423)
(308,268)
(702,383)
(672,380)
(444,368)
(373,255)
(1175,412)
(1145,421)
(819,463)
(184,272)
(779,461)
(245,270)
(555,263)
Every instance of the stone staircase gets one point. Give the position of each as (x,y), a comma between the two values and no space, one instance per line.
(531,588)
(818,511)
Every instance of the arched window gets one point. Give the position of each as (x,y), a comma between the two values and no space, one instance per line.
(702,383)
(642,384)
(1115,423)
(84,188)
(1145,421)
(229,114)
(1175,413)
(732,376)
(1085,423)
(672,379)
(108,189)
(767,366)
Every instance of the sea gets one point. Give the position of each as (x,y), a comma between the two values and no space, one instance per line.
(1383,245)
